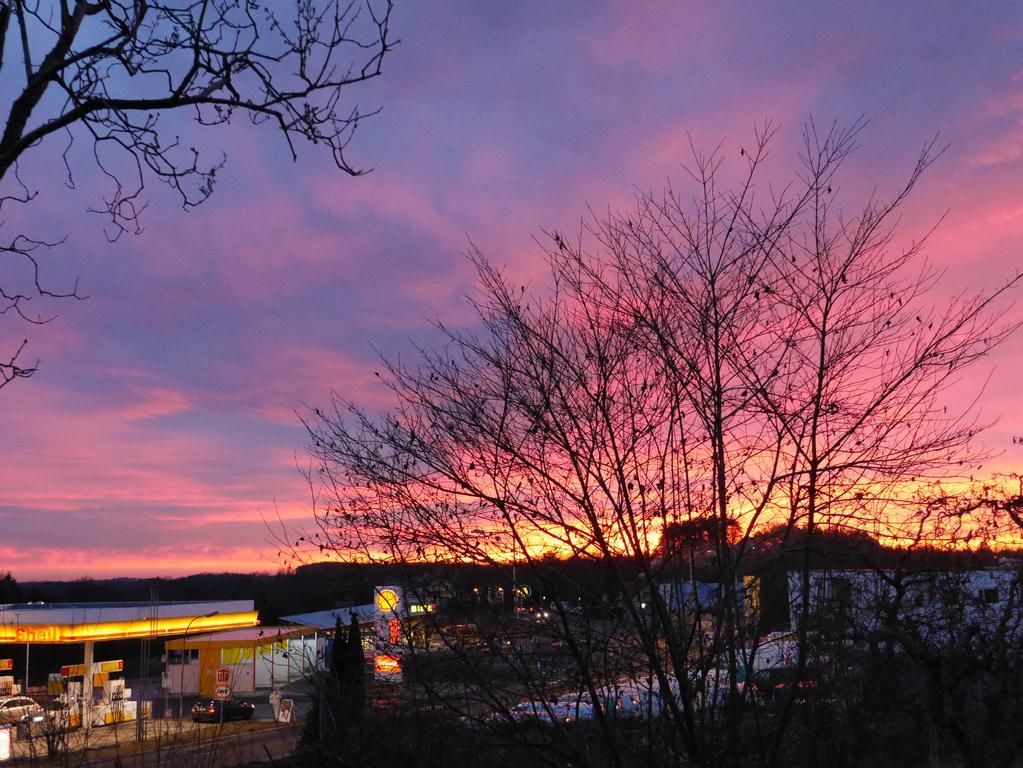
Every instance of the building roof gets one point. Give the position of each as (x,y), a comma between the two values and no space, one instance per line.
(328,619)
(249,637)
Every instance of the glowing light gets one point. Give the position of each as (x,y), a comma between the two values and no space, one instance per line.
(101,668)
(387,600)
(124,630)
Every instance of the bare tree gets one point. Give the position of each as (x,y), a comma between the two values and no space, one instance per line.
(96,81)
(717,362)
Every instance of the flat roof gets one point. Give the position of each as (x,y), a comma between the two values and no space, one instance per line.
(249,637)
(328,619)
(82,622)
(42,605)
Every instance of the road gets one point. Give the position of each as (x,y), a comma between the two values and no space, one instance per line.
(209,750)
(194,746)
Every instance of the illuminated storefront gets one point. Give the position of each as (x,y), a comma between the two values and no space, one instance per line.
(250,659)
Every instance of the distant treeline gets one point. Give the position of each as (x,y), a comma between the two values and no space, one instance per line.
(320,586)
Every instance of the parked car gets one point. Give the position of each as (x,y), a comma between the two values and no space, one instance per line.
(216,711)
(801,691)
(523,712)
(715,691)
(13,708)
(573,707)
(51,717)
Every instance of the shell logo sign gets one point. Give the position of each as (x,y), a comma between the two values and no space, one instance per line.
(41,634)
(389,605)
(387,600)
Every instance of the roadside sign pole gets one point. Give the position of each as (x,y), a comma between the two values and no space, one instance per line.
(222,692)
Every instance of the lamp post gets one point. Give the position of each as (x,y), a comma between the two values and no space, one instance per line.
(181,679)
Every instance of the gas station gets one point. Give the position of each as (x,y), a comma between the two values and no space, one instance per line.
(89,623)
(212,648)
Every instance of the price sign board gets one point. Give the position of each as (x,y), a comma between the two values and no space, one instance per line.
(287,706)
(6,664)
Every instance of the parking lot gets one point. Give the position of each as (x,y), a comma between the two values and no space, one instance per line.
(171,738)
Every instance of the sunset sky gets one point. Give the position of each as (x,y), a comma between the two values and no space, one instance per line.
(162,428)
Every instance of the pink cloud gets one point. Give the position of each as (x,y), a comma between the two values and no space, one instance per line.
(39,563)
(654,36)
(260,390)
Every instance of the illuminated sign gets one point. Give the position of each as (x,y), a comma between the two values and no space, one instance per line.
(416,608)
(6,664)
(387,664)
(387,600)
(98,668)
(41,634)
(394,632)
(124,630)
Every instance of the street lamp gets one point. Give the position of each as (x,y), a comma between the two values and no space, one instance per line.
(181,679)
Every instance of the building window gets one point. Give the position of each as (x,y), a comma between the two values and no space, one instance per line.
(182,657)
(989,595)
(840,591)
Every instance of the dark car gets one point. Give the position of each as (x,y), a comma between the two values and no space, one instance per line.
(216,711)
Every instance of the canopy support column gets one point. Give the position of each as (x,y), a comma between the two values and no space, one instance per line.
(87,662)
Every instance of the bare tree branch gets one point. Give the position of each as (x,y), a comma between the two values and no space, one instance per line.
(112,69)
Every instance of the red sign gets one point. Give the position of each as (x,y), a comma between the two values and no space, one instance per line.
(223,676)
(6,664)
(222,692)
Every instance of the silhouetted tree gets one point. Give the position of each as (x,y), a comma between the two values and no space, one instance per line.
(708,355)
(355,671)
(10,592)
(338,655)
